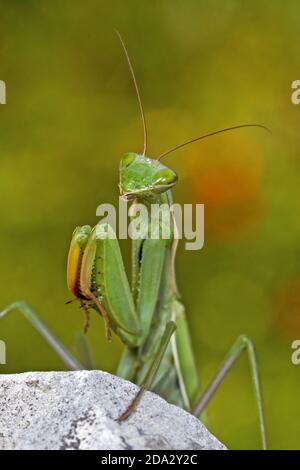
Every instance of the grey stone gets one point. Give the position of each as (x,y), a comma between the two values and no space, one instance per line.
(78,410)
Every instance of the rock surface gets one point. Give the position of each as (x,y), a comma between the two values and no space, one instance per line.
(78,410)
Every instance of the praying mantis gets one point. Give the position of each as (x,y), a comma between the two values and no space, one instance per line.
(148,315)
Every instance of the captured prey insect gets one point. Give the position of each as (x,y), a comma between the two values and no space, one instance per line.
(148,315)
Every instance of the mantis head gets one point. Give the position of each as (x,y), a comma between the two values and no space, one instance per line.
(142,177)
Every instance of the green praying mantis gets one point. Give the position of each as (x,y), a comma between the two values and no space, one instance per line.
(148,315)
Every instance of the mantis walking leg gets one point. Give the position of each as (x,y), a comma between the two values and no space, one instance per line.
(170,328)
(184,357)
(242,343)
(26,310)
(83,349)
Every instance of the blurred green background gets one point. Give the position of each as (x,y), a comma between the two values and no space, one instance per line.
(71,113)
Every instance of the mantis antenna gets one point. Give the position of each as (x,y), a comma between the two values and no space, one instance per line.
(136,89)
(226,129)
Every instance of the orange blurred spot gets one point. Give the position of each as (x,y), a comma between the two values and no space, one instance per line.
(227,179)
(287,310)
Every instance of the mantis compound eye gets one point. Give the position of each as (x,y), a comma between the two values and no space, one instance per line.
(127,159)
(165,177)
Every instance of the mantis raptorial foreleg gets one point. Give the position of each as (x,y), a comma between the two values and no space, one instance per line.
(26,310)
(243,343)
